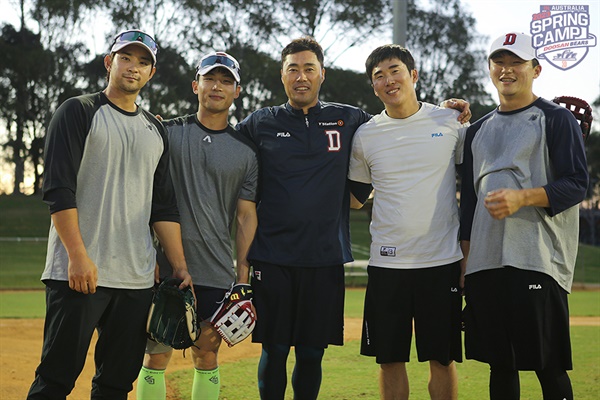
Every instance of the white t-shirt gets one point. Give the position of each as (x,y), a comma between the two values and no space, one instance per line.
(411,164)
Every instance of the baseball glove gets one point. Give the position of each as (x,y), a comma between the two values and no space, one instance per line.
(580,109)
(172,319)
(235,319)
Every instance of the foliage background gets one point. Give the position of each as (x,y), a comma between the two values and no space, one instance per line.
(53,55)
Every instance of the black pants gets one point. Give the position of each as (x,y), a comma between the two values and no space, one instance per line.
(120,317)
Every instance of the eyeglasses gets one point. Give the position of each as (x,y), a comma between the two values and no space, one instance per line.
(137,36)
(220,59)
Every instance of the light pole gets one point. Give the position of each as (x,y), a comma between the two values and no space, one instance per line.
(400,21)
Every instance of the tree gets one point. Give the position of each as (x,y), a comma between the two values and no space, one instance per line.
(449,57)
(169,93)
(20,69)
(337,24)
(592,147)
(350,87)
(38,72)
(254,31)
(261,82)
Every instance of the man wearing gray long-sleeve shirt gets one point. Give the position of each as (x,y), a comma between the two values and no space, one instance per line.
(524,174)
(106,183)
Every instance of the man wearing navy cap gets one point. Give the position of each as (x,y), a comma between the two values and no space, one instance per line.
(106,178)
(524,174)
(215,175)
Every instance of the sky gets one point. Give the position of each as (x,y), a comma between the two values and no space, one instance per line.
(495,18)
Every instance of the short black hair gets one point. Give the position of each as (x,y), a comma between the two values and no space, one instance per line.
(304,43)
(387,52)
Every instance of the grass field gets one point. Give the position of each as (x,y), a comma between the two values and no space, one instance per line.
(347,375)
(23,216)
(30,304)
(27,217)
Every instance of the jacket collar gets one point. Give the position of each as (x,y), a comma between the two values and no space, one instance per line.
(313,110)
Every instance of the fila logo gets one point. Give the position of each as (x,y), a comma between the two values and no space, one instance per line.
(536,286)
(439,134)
(207,139)
(335,143)
(283,134)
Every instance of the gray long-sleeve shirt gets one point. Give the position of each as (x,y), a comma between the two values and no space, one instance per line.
(536,146)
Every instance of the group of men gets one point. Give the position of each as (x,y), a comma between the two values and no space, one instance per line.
(287,175)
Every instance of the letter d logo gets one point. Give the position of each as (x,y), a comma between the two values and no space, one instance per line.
(510,39)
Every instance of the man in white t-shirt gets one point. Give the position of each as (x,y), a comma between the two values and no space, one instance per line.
(408,154)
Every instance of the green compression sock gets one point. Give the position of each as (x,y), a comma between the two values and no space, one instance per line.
(207,384)
(151,385)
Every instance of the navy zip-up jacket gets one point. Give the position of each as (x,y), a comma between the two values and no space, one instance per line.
(303,213)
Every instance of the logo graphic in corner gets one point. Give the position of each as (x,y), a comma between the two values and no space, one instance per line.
(560,34)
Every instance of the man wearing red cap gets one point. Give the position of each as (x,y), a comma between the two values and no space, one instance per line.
(524,175)
(106,178)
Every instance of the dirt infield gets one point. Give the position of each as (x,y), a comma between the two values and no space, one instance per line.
(20,346)
(21,339)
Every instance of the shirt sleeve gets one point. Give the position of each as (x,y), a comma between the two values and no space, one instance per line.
(65,142)
(246,126)
(164,201)
(249,189)
(359,170)
(569,165)
(468,197)
(460,144)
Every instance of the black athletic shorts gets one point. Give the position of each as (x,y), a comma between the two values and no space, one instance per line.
(517,319)
(298,305)
(429,296)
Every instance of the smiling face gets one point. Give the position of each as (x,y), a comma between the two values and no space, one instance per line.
(216,90)
(513,78)
(302,76)
(394,84)
(129,69)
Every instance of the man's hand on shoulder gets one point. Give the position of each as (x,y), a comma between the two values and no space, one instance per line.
(461,105)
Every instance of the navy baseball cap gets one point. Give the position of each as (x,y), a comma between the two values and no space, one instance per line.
(218,59)
(137,37)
